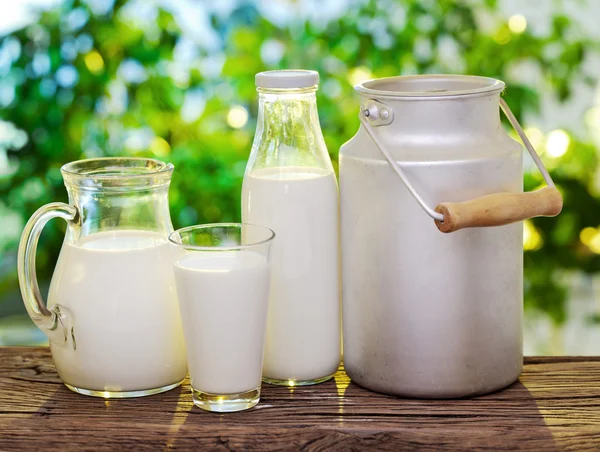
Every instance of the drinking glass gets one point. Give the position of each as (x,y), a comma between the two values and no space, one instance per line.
(222,276)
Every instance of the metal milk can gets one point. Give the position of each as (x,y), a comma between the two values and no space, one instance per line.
(434,308)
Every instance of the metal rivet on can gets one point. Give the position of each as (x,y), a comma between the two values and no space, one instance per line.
(373,112)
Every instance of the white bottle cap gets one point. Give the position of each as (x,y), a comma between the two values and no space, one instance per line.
(286,79)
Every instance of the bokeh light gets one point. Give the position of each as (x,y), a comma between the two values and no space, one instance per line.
(67,76)
(593,240)
(160,147)
(94,62)
(587,234)
(237,117)
(532,240)
(536,138)
(517,23)
(502,36)
(557,143)
(592,118)
(359,74)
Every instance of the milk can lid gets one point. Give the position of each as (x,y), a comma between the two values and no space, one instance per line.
(288,78)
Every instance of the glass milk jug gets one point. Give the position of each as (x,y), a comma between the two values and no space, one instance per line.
(290,187)
(112,315)
(434,308)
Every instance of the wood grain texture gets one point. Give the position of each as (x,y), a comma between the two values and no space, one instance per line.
(499,209)
(554,406)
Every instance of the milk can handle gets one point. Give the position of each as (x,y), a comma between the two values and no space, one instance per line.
(56,323)
(491,210)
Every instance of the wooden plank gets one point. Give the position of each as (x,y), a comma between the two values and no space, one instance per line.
(554,406)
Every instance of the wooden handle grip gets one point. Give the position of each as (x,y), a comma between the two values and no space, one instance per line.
(499,209)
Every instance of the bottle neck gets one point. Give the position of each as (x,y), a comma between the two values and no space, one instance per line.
(284,113)
(288,131)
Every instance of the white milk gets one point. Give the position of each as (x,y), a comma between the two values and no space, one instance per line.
(301,205)
(120,289)
(223,298)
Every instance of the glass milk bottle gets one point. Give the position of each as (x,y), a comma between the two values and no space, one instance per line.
(290,187)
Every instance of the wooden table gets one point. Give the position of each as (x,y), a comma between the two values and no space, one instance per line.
(554,406)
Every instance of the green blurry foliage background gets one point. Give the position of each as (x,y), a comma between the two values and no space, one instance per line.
(94,78)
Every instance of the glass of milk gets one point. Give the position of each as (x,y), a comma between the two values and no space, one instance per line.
(222,278)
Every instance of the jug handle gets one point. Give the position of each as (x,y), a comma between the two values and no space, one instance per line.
(56,322)
(491,210)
